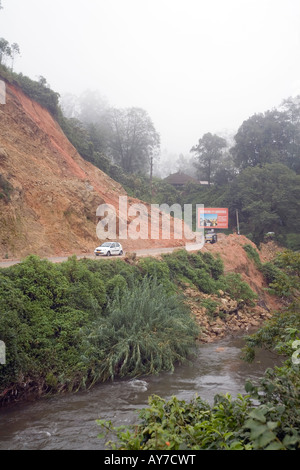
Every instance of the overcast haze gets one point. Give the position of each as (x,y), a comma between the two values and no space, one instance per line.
(195,66)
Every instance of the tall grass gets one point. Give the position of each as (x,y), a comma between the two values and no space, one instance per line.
(145,331)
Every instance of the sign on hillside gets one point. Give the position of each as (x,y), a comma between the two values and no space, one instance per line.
(212,218)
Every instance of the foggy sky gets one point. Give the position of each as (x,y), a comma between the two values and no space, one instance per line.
(195,66)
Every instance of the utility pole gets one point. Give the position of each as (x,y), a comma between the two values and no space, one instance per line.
(237,221)
(151,176)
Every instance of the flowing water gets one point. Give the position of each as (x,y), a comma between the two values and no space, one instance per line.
(69,422)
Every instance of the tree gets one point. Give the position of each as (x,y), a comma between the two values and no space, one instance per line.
(15,50)
(268,200)
(266,138)
(5,50)
(208,153)
(291,107)
(133,140)
(184,164)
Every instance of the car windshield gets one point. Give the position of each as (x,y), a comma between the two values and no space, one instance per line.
(106,244)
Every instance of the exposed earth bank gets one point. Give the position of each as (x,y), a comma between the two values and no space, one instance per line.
(49,194)
(231,316)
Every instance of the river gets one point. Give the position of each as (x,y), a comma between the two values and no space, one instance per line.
(69,422)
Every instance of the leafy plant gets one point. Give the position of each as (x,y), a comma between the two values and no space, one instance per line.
(177,425)
(253,254)
(210,306)
(238,289)
(145,330)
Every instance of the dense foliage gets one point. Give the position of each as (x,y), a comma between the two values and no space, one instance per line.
(145,330)
(267,417)
(68,325)
(283,277)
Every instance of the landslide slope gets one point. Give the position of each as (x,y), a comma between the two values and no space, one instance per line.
(230,316)
(51,194)
(231,249)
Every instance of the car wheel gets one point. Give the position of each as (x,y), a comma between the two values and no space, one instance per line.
(121,252)
(108,253)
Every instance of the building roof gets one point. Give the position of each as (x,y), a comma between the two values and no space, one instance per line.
(180,178)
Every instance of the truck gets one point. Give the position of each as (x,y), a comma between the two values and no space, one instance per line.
(211,236)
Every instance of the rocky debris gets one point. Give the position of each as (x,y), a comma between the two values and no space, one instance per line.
(269,250)
(235,259)
(228,316)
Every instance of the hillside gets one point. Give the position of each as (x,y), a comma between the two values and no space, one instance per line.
(231,317)
(49,194)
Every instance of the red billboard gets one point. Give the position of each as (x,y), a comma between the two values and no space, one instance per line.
(213,218)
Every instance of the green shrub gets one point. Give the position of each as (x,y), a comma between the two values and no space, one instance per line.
(85,289)
(68,325)
(175,425)
(115,286)
(38,339)
(275,332)
(237,289)
(214,263)
(145,331)
(289,262)
(43,306)
(270,272)
(157,269)
(292,241)
(201,269)
(210,306)
(203,281)
(253,254)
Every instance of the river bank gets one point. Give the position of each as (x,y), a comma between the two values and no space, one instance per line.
(229,328)
(68,422)
(223,316)
(64,309)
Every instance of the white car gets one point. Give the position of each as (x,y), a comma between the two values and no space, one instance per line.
(109,248)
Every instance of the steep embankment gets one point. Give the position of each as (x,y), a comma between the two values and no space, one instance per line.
(231,316)
(52,194)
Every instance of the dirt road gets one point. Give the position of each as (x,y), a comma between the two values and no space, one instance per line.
(139,253)
(145,252)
